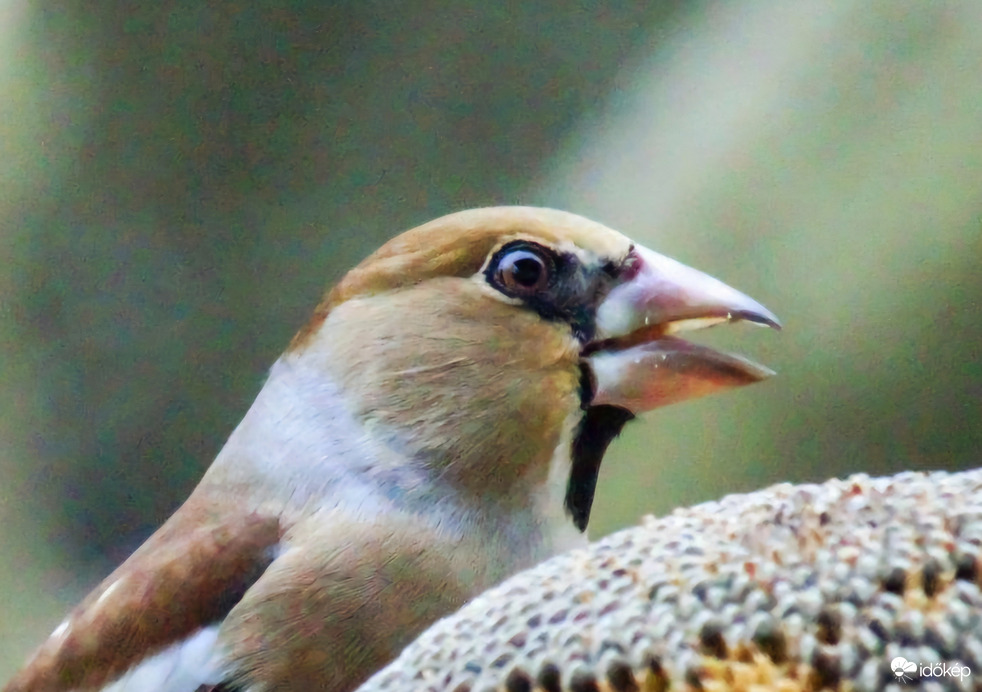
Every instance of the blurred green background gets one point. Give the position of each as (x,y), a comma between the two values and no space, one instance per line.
(180,181)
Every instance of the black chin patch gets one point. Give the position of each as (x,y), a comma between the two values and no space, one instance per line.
(600,425)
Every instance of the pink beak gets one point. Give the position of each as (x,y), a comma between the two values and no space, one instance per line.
(635,361)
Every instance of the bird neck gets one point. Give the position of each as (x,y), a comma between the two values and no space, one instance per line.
(299,449)
(302,442)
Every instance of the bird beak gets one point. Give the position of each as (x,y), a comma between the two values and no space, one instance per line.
(636,361)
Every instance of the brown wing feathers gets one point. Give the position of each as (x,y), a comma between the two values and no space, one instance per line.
(178,586)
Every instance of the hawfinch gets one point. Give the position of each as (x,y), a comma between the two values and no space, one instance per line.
(437,426)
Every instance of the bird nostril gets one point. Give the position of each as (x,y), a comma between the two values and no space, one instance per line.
(631,266)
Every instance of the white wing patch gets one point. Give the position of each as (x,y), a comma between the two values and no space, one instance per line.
(182,667)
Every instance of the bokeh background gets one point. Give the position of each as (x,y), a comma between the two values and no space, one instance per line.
(179,182)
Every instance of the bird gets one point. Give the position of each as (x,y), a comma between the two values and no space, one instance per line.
(861,583)
(436,426)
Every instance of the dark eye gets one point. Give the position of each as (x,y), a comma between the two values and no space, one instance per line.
(522,272)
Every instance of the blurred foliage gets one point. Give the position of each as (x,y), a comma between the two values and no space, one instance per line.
(180,182)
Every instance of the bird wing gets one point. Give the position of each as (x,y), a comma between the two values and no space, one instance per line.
(187,576)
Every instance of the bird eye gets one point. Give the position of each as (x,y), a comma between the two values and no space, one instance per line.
(522,272)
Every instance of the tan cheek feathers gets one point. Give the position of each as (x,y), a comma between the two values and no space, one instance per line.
(459,373)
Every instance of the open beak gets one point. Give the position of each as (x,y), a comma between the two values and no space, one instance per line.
(636,361)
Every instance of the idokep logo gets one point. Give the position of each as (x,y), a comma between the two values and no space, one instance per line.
(904,670)
(908,671)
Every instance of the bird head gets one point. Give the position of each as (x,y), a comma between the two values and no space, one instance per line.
(481,343)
